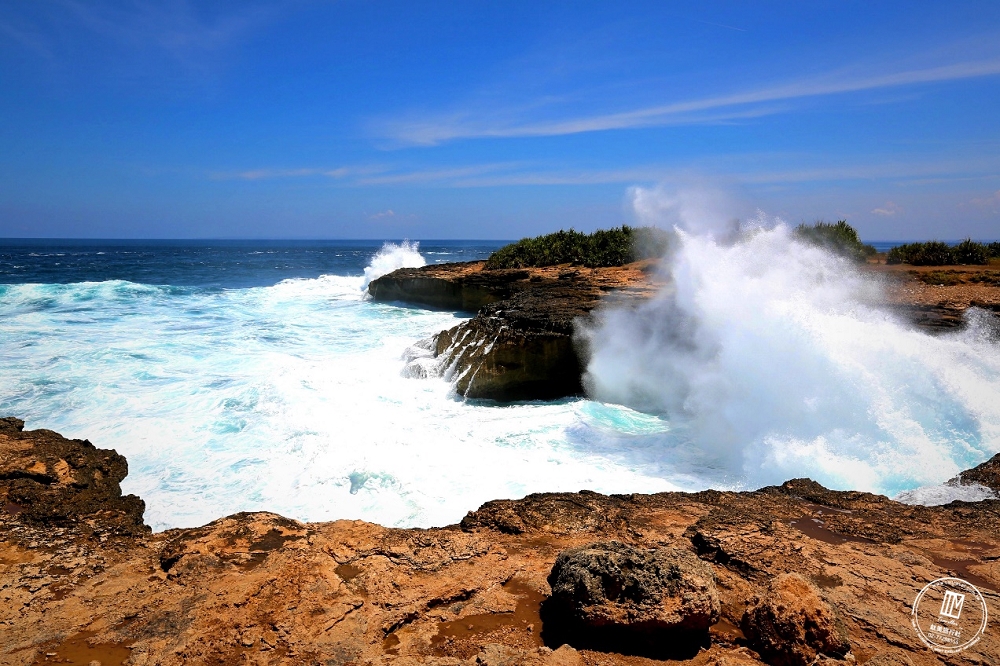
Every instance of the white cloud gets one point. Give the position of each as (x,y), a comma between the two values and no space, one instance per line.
(469,125)
(382,215)
(746,169)
(888,209)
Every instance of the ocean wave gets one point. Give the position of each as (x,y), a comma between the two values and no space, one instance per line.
(773,359)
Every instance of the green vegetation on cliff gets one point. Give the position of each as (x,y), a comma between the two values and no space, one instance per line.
(837,236)
(604,247)
(936,253)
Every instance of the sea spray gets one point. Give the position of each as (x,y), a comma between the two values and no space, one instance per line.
(391,257)
(774,359)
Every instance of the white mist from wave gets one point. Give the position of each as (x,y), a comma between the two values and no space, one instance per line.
(391,257)
(773,359)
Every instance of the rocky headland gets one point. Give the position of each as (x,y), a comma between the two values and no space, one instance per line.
(521,343)
(788,576)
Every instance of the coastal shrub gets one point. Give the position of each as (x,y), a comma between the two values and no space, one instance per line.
(971,252)
(994,249)
(931,253)
(604,247)
(936,253)
(838,236)
(990,278)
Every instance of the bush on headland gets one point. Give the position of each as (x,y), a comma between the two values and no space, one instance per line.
(838,236)
(936,253)
(604,247)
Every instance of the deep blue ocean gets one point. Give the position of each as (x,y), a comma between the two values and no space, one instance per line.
(231,264)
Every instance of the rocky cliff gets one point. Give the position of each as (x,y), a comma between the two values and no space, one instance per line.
(520,345)
(788,575)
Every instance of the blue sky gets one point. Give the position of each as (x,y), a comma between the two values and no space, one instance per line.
(493,119)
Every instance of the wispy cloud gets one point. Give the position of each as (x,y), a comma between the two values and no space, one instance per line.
(889,209)
(388,213)
(27,37)
(721,25)
(431,176)
(174,25)
(467,125)
(737,168)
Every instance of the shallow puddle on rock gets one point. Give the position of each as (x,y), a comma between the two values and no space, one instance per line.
(522,626)
(391,644)
(348,572)
(725,631)
(76,651)
(60,590)
(827,582)
(960,568)
(814,528)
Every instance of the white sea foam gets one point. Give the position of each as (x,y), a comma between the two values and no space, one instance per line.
(946,493)
(772,359)
(288,398)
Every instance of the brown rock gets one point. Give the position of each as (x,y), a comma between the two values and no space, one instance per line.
(889,659)
(791,625)
(630,599)
(258,588)
(986,474)
(48,479)
(520,345)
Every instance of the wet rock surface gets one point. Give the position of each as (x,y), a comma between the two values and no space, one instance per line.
(986,474)
(48,479)
(520,345)
(257,588)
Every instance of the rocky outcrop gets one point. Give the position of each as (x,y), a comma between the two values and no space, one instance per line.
(48,479)
(257,588)
(657,601)
(520,345)
(791,625)
(986,474)
(455,286)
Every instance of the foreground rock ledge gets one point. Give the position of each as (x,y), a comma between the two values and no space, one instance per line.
(87,585)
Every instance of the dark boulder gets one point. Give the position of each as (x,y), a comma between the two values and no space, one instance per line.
(46,479)
(618,597)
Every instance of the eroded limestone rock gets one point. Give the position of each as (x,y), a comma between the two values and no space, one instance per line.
(791,625)
(631,599)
